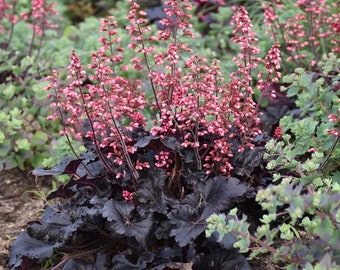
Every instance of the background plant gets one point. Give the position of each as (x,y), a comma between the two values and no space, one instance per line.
(149,191)
(23,106)
(306,35)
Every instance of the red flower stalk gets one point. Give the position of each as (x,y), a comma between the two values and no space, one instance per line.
(7,15)
(108,102)
(272,64)
(38,16)
(192,98)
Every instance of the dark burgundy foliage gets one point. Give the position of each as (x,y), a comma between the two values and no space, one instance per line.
(161,228)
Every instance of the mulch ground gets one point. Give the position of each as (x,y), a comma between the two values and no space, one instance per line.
(17,206)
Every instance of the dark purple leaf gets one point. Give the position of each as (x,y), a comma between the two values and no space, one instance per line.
(280,97)
(26,252)
(117,211)
(221,259)
(67,191)
(52,214)
(151,191)
(188,224)
(102,263)
(66,166)
(75,264)
(172,143)
(227,241)
(123,222)
(52,232)
(219,192)
(132,261)
(155,13)
(145,141)
(244,162)
(96,168)
(212,196)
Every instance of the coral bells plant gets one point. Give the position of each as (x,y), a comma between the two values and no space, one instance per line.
(192,100)
(309,33)
(139,197)
(38,17)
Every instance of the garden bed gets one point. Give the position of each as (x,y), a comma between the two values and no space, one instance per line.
(17,207)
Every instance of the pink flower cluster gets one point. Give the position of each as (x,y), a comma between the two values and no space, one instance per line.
(193,100)
(108,103)
(335,118)
(39,17)
(39,14)
(311,29)
(7,12)
(163,160)
(128,196)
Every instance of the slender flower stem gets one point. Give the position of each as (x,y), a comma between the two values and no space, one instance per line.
(324,162)
(154,91)
(124,147)
(30,48)
(67,136)
(11,31)
(197,154)
(95,141)
(311,35)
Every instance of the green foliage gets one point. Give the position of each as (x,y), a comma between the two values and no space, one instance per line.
(316,98)
(301,224)
(22,112)
(25,133)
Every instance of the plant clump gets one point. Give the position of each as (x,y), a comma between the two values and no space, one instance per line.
(178,171)
(139,197)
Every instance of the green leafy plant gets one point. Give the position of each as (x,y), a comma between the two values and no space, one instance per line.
(314,125)
(23,108)
(299,230)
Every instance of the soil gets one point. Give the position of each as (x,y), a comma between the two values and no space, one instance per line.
(18,206)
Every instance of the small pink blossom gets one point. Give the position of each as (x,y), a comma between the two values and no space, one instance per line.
(278,133)
(333,118)
(163,160)
(128,196)
(335,132)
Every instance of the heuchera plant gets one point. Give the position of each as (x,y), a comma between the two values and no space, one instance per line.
(139,198)
(309,33)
